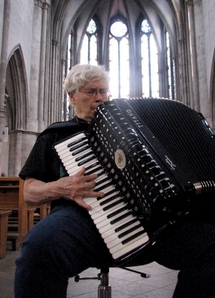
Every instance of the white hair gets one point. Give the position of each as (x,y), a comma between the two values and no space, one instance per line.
(81,74)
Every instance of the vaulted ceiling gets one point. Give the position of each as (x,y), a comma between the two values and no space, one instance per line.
(67,13)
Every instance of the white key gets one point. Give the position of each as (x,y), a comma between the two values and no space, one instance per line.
(90,200)
(97,207)
(73,168)
(111,227)
(98,203)
(117,202)
(68,157)
(100,219)
(68,141)
(120,250)
(106,235)
(112,239)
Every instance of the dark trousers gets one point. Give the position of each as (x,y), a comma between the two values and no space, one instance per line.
(190,248)
(63,244)
(66,242)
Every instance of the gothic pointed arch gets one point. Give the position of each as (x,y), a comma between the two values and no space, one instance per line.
(16,90)
(15,109)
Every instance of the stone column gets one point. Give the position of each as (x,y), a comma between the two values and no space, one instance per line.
(42,67)
(15,161)
(194,96)
(54,97)
(32,124)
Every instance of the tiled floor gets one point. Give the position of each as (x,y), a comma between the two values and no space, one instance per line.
(124,284)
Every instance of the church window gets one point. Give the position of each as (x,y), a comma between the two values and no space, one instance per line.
(170,69)
(119,59)
(89,49)
(149,62)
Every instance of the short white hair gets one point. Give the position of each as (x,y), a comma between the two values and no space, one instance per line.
(81,74)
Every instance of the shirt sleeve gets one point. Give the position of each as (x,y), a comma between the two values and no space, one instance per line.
(43,163)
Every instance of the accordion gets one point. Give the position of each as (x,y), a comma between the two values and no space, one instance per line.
(159,154)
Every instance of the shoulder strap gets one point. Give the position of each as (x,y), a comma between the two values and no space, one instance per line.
(58,126)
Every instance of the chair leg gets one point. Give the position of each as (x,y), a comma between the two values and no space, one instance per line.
(104,289)
(142,274)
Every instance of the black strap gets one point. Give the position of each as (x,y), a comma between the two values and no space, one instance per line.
(58,126)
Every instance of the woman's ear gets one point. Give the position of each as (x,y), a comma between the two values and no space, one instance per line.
(72,98)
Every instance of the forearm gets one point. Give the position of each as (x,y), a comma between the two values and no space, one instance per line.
(37,192)
(73,188)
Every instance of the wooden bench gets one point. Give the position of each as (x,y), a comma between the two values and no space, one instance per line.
(11,198)
(3,231)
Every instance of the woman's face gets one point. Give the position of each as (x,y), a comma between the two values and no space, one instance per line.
(89,97)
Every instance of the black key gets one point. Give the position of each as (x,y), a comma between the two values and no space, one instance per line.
(102,181)
(120,217)
(133,237)
(107,194)
(84,155)
(127,224)
(129,231)
(77,146)
(109,199)
(76,142)
(113,204)
(117,212)
(92,168)
(85,161)
(80,150)
(102,187)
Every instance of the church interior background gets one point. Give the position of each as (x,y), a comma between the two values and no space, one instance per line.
(151,48)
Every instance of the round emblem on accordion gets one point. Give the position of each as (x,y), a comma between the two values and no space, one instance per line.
(120,159)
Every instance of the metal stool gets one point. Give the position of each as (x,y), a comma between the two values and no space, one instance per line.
(104,289)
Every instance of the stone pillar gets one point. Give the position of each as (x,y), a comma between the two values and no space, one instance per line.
(42,67)
(194,96)
(37,76)
(55,64)
(32,124)
(15,161)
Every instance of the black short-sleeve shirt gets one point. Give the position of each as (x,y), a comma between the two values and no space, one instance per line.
(43,163)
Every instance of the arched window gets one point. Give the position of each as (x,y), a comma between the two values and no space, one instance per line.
(170,69)
(69,54)
(119,59)
(89,49)
(149,62)
(132,73)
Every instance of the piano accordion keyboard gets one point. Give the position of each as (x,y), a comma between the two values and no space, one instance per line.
(121,231)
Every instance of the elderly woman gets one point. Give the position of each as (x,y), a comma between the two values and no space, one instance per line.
(67,242)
